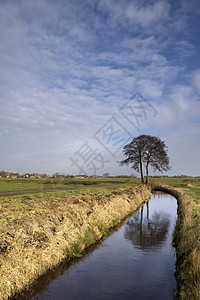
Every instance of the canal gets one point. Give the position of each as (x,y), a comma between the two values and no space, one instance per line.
(135,262)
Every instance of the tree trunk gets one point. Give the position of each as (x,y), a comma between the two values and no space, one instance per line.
(141,173)
(147,174)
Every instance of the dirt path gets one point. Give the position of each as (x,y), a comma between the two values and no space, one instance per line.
(16,193)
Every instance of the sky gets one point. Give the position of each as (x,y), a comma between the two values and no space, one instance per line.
(80,79)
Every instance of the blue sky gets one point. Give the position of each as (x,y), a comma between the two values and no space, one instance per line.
(78,79)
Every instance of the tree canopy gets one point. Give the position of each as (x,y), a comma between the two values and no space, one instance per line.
(144,151)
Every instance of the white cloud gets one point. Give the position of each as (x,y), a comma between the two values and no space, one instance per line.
(134,12)
(147,15)
(195,79)
(179,109)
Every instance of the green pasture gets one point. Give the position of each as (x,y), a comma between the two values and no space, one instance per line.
(177,182)
(23,184)
(192,185)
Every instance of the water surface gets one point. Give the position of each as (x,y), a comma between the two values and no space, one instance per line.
(136,262)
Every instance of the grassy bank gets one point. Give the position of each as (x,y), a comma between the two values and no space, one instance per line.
(40,231)
(187,235)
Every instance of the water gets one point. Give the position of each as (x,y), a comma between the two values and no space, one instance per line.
(136,262)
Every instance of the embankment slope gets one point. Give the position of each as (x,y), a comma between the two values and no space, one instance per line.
(38,235)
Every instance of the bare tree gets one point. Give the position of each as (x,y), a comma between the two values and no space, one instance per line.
(146,150)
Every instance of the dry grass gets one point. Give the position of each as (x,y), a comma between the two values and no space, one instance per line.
(39,233)
(187,242)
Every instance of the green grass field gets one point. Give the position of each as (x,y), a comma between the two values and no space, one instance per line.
(178,182)
(22,184)
(191,185)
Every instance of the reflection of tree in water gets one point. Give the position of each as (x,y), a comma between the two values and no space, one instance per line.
(149,232)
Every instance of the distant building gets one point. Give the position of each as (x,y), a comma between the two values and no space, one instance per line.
(80,176)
